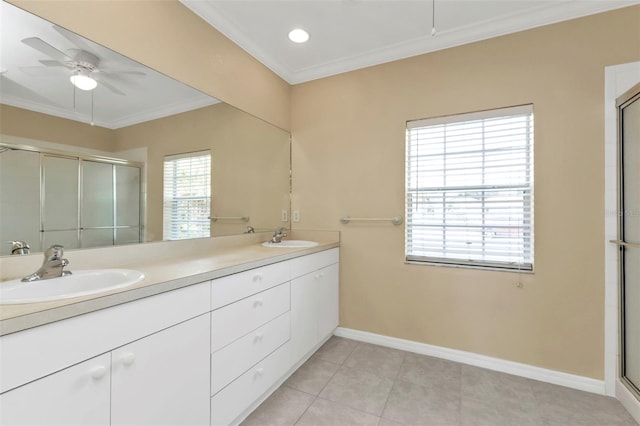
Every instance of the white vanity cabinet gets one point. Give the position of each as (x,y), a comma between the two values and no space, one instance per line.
(142,362)
(207,353)
(277,314)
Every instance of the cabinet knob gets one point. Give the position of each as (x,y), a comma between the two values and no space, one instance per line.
(259,372)
(98,372)
(258,337)
(257,277)
(257,303)
(128,358)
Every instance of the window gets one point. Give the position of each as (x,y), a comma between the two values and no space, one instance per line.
(469,189)
(187,196)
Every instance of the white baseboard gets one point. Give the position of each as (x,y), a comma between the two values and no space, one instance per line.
(628,401)
(518,369)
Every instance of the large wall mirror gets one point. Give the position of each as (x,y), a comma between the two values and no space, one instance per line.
(85,168)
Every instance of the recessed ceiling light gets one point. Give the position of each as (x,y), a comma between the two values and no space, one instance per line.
(298,35)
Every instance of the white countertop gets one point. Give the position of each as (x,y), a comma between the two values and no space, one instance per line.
(161,273)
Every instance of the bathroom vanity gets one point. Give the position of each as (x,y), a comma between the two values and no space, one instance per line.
(205,352)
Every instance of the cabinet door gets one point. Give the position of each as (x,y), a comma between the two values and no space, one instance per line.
(327,300)
(78,395)
(304,315)
(163,379)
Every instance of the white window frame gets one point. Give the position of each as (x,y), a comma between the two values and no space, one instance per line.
(450,223)
(193,221)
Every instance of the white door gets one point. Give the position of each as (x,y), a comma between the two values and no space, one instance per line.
(163,379)
(629,198)
(78,395)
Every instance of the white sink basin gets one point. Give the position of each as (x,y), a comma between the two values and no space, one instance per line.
(290,244)
(79,283)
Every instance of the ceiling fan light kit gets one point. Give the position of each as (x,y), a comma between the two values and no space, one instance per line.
(82,80)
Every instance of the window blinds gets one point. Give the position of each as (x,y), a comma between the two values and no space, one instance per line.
(469,189)
(187,196)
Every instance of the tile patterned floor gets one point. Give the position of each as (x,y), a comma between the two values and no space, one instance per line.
(351,383)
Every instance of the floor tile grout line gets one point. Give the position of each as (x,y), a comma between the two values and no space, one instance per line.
(305,411)
(395,380)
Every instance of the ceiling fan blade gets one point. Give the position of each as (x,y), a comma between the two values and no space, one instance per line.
(77,41)
(111,87)
(50,63)
(38,71)
(46,48)
(112,71)
(21,92)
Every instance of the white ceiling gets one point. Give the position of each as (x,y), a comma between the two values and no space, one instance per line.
(352,34)
(26,83)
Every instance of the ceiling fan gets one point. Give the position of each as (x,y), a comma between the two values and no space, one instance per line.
(84,66)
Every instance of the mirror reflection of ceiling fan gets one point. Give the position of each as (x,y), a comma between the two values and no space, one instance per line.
(82,66)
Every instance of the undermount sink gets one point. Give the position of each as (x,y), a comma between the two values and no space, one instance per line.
(290,244)
(79,283)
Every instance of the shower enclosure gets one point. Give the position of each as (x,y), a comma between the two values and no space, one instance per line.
(77,201)
(628,106)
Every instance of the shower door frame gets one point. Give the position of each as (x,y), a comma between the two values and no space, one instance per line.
(630,96)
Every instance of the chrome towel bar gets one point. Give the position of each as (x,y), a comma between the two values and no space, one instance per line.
(243,218)
(624,244)
(396,220)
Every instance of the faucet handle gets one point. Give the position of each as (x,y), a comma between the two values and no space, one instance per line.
(55,252)
(19,247)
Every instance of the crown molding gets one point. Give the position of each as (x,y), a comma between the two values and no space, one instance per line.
(525,19)
(146,115)
(214,17)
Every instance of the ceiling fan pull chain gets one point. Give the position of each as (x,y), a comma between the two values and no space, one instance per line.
(92,92)
(433,18)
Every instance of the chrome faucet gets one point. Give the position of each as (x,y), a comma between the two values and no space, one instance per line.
(277,237)
(250,230)
(52,265)
(19,247)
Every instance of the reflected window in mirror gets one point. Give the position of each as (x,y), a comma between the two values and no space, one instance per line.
(187,196)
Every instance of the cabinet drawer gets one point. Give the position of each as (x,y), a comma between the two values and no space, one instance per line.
(234,359)
(233,400)
(306,264)
(234,321)
(229,289)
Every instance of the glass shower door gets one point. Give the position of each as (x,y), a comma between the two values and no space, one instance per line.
(629,140)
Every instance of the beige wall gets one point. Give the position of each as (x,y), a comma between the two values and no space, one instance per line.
(348,157)
(169,38)
(42,127)
(249,164)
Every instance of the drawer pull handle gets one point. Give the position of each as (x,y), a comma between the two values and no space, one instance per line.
(98,372)
(257,303)
(128,358)
(257,277)
(259,372)
(258,337)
